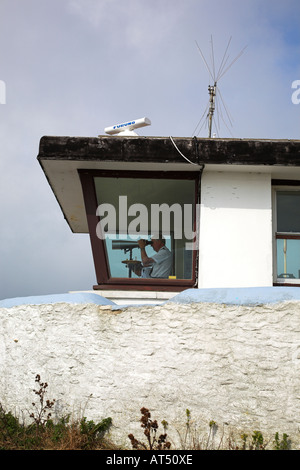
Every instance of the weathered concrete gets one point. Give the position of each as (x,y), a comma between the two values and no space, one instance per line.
(231,363)
(160,149)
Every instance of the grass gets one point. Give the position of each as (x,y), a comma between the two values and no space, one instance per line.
(192,439)
(82,435)
(43,433)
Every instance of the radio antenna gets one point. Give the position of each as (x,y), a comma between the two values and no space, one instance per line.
(213,90)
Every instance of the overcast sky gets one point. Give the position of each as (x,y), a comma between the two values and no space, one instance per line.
(74,67)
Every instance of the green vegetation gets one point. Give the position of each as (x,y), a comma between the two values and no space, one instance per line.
(43,433)
(192,439)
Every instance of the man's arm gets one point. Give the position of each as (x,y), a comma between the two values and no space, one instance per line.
(145,258)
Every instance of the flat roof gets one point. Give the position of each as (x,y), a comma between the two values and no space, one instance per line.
(62,157)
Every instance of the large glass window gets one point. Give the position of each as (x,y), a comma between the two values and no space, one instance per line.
(288,236)
(141,208)
(159,208)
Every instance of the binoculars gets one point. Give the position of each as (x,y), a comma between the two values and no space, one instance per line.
(127,244)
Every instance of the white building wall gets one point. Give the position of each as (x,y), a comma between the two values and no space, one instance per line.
(235,230)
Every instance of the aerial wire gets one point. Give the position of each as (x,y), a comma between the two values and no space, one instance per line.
(213,90)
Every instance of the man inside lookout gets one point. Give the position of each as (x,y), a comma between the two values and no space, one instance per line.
(160,264)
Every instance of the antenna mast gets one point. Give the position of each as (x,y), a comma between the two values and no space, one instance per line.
(212,89)
(212,95)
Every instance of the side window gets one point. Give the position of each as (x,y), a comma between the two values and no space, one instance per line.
(287,235)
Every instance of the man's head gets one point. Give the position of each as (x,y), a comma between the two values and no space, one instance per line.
(157,243)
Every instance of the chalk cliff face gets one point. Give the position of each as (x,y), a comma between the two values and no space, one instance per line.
(234,364)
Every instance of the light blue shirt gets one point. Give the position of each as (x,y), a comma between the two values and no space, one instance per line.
(162,266)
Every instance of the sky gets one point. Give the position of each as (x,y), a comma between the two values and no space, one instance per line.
(74,67)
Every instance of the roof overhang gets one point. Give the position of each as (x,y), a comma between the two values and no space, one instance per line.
(62,157)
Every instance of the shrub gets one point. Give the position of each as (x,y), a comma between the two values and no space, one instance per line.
(43,433)
(150,431)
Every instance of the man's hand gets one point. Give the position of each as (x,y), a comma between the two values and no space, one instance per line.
(145,259)
(142,243)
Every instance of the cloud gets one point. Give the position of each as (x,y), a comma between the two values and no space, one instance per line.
(75,67)
(130,22)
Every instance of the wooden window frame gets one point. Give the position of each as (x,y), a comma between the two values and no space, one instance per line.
(101,263)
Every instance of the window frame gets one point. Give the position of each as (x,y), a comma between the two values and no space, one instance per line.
(101,262)
(277,186)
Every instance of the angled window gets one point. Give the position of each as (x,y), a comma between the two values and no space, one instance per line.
(125,207)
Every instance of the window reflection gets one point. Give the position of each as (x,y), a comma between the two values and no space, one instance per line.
(288,211)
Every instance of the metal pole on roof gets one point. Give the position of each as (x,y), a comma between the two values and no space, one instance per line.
(212,89)
(212,95)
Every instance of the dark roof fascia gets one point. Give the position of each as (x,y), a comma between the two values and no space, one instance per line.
(162,150)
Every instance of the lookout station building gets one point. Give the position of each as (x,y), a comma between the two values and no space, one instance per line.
(229,209)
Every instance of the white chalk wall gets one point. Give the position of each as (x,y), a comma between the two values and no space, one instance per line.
(227,363)
(235,230)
